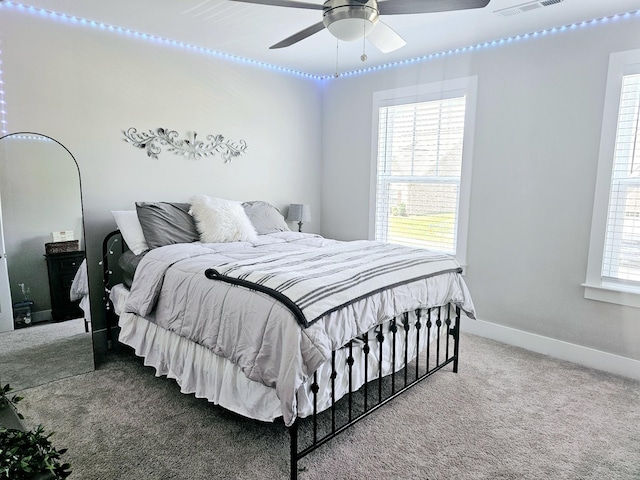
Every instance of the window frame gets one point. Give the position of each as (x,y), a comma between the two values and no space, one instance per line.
(595,288)
(466,86)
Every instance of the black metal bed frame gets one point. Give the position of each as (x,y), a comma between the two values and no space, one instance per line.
(448,314)
(383,388)
(108,250)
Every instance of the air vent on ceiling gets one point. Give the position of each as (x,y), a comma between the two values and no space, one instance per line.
(525,7)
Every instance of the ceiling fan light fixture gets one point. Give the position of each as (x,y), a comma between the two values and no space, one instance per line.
(348,21)
(350,29)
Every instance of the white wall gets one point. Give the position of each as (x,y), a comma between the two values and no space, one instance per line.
(537,136)
(82,86)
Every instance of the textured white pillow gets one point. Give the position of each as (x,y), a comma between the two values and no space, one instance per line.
(220,221)
(130,229)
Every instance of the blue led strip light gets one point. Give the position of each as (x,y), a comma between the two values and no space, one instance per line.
(144,36)
(39,138)
(227,56)
(493,43)
(3,109)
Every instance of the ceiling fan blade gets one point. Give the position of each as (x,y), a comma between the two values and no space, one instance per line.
(400,7)
(385,38)
(284,3)
(301,35)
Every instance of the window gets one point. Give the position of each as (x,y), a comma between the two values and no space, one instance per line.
(621,260)
(422,162)
(613,273)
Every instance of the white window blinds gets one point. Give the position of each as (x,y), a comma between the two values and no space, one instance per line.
(418,173)
(621,258)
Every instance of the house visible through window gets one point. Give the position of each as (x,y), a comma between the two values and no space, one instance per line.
(420,166)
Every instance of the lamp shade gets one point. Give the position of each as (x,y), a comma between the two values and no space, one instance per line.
(299,212)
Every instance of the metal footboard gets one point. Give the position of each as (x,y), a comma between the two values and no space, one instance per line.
(310,433)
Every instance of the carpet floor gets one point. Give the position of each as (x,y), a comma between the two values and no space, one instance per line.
(508,414)
(45,352)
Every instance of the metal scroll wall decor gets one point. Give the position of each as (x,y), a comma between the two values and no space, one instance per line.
(190,148)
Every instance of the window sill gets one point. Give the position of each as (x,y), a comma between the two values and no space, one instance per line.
(610,293)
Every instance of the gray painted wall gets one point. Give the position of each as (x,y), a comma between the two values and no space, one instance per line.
(82,86)
(537,135)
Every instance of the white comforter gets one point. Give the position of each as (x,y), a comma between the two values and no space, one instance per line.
(257,332)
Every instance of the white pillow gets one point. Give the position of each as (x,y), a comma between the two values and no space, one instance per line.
(130,229)
(264,217)
(219,220)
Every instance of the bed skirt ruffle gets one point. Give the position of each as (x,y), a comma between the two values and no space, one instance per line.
(199,371)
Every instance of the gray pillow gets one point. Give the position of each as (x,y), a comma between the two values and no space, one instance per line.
(265,217)
(166,223)
(128,262)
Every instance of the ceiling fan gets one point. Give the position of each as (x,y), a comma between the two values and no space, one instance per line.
(354,19)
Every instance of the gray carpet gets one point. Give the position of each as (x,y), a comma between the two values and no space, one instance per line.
(44,352)
(62,357)
(508,414)
(39,334)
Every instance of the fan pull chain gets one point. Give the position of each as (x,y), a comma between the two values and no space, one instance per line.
(363,57)
(337,45)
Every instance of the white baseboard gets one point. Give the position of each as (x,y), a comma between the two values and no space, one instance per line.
(571,352)
(41,316)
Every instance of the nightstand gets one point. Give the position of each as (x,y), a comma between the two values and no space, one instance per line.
(62,268)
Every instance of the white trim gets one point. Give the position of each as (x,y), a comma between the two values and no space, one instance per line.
(612,293)
(571,352)
(620,64)
(467,86)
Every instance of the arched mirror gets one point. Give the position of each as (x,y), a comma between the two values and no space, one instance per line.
(45,333)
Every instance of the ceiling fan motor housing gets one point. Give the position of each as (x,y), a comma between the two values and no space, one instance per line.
(350,20)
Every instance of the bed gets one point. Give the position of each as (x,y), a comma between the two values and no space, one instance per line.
(278,325)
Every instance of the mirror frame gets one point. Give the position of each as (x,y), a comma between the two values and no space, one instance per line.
(84,230)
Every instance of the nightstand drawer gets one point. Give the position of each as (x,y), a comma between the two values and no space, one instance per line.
(62,268)
(69,264)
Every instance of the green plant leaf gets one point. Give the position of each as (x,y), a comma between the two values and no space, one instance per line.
(25,455)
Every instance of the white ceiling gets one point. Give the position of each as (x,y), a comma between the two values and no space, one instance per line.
(247,30)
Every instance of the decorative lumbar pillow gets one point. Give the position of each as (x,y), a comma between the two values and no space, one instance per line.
(220,221)
(265,217)
(166,223)
(130,229)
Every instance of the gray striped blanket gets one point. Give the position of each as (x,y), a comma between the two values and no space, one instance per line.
(313,284)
